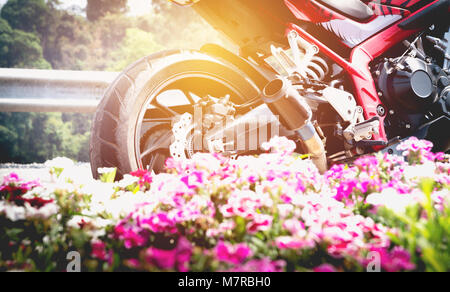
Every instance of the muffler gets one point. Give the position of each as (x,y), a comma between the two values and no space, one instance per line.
(295,115)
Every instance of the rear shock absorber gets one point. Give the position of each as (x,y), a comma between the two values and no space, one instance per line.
(309,65)
(304,59)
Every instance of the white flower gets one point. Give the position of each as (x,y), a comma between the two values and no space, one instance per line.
(128,180)
(391,199)
(428,169)
(285,210)
(45,212)
(12,212)
(59,162)
(97,226)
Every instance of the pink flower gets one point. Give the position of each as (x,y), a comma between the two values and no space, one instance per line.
(130,237)
(394,261)
(160,223)
(193,180)
(145,177)
(15,186)
(12,178)
(288,242)
(184,254)
(163,259)
(236,254)
(418,151)
(133,263)
(294,226)
(260,266)
(325,268)
(177,258)
(260,222)
(345,189)
(99,251)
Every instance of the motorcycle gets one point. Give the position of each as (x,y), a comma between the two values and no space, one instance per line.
(340,78)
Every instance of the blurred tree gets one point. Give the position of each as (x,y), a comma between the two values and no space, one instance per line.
(47,135)
(28,15)
(20,49)
(67,44)
(137,44)
(98,8)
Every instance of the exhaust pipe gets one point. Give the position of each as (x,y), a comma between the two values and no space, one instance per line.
(295,114)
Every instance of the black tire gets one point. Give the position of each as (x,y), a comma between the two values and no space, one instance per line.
(114,131)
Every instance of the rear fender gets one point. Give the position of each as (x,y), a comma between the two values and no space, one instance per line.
(258,75)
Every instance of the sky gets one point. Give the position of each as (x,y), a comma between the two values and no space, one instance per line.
(137,7)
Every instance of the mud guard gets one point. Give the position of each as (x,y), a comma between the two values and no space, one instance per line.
(260,77)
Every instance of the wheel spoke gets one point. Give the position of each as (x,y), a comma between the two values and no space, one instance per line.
(188,95)
(156,122)
(162,142)
(151,164)
(165,109)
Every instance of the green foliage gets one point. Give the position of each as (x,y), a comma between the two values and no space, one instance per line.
(46,135)
(27,15)
(20,49)
(424,227)
(136,45)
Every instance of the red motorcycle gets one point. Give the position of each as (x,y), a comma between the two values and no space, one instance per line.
(342,78)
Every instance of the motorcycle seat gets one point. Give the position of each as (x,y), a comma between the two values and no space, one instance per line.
(354,9)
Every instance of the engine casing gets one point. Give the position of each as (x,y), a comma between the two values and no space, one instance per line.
(410,84)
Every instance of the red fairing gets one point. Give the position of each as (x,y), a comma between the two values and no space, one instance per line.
(382,9)
(357,66)
(400,3)
(311,11)
(314,11)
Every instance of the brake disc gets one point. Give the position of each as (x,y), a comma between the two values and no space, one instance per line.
(182,131)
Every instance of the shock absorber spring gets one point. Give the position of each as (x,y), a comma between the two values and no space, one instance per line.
(308,63)
(303,59)
(317,68)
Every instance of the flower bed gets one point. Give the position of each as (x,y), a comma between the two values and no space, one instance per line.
(270,213)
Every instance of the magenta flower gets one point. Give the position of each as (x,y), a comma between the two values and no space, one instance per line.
(176,259)
(233,254)
(163,259)
(295,243)
(145,177)
(260,266)
(325,268)
(99,251)
(160,223)
(394,261)
(129,236)
(345,189)
(133,264)
(12,178)
(194,179)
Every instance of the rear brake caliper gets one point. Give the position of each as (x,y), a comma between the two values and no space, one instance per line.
(190,131)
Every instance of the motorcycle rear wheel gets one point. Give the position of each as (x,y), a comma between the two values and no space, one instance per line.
(132,128)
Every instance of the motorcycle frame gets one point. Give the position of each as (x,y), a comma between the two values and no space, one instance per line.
(358,66)
(248,26)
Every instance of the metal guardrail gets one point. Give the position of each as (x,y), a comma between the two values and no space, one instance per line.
(48,105)
(25,90)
